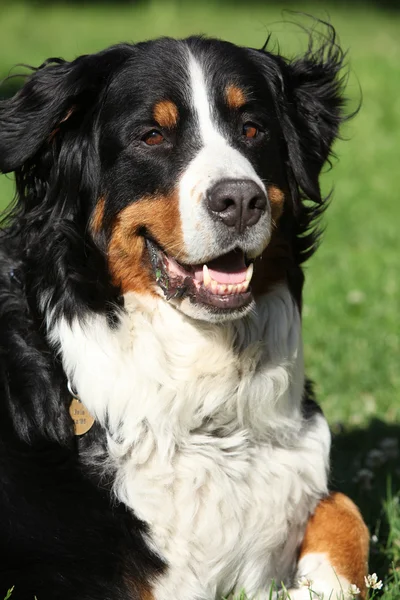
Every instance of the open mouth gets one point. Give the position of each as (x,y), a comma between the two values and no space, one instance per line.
(221,283)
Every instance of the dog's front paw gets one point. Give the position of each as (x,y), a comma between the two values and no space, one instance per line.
(319,591)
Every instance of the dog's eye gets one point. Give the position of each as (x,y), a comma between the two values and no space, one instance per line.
(153,138)
(250,130)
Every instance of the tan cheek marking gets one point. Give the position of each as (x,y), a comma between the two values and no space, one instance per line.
(276,199)
(166,114)
(128,261)
(96,220)
(235,97)
(338,530)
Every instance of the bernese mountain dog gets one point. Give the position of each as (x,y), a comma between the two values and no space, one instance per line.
(158,437)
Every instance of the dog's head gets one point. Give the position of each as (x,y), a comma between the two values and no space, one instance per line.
(185,162)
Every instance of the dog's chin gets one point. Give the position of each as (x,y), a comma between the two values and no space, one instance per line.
(216,291)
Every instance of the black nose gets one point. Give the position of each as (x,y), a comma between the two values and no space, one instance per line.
(238,203)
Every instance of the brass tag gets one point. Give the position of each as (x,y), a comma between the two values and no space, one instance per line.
(81,417)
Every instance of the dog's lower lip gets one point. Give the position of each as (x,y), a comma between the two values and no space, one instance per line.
(231,301)
(228,291)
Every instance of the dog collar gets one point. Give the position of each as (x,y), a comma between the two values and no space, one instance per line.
(83,420)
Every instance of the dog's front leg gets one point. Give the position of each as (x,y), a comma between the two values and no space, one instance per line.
(334,553)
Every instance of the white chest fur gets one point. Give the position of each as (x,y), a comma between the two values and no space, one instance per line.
(206,434)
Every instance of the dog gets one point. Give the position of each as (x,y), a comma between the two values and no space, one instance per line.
(159,439)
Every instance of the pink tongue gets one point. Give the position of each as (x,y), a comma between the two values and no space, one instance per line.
(229,268)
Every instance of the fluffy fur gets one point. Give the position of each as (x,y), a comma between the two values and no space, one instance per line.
(208,455)
(217,422)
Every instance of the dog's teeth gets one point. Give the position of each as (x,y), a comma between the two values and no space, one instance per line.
(224,288)
(249,272)
(206,276)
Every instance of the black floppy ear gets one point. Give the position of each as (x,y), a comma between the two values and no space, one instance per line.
(49,96)
(313,90)
(309,101)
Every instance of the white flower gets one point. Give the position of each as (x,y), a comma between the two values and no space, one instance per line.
(304,582)
(371,581)
(353,590)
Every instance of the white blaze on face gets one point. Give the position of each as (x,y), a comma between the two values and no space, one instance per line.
(215,161)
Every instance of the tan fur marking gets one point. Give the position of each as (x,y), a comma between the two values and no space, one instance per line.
(138,589)
(276,199)
(97,217)
(166,114)
(235,97)
(128,261)
(146,595)
(338,530)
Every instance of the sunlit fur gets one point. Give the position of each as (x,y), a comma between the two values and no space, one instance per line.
(208,454)
(214,417)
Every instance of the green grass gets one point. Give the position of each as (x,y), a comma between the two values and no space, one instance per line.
(9,594)
(351,307)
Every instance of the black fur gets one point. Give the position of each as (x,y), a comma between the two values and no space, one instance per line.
(70,135)
(310,101)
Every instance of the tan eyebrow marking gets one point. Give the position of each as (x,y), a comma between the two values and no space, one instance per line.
(166,114)
(235,96)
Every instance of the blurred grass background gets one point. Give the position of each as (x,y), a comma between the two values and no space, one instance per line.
(351,310)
